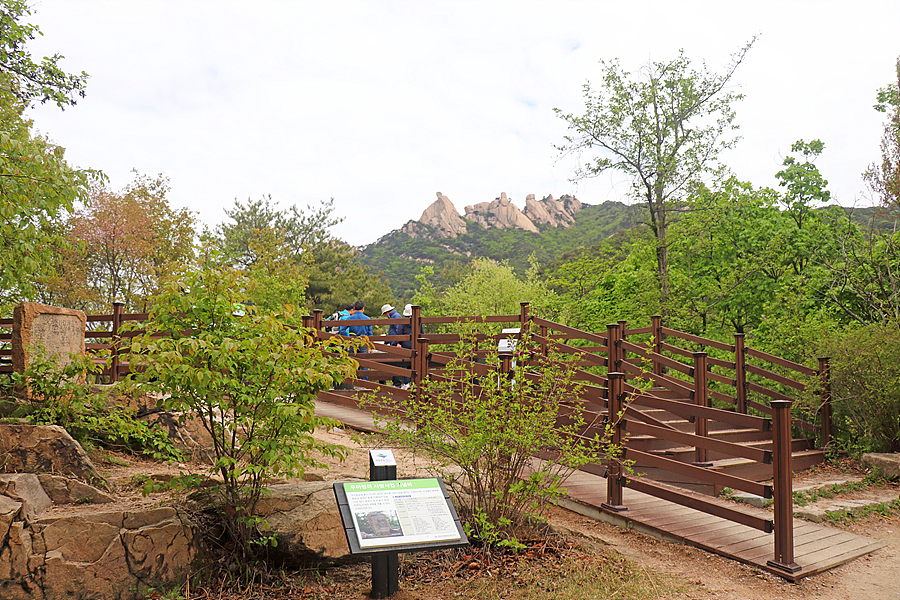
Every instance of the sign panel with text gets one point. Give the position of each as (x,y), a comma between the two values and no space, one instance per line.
(410,513)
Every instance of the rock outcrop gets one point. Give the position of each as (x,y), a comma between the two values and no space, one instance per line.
(44,449)
(441,216)
(552,212)
(500,214)
(78,552)
(440,219)
(304,517)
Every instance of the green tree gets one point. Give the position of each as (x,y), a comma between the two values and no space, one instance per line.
(37,187)
(664,128)
(23,78)
(293,257)
(723,254)
(250,380)
(884,179)
(492,288)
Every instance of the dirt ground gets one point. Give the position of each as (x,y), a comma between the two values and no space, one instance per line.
(705,575)
(696,573)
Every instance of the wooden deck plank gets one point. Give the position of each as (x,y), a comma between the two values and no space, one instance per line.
(705,531)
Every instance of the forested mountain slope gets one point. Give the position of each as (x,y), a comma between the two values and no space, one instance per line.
(401,257)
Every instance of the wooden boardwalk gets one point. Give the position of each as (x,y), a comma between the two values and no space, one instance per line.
(816,548)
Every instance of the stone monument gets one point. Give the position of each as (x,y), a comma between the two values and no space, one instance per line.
(38,328)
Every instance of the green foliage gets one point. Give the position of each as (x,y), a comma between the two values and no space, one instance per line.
(664,128)
(865,387)
(291,257)
(58,394)
(37,189)
(401,258)
(27,80)
(486,426)
(249,379)
(37,186)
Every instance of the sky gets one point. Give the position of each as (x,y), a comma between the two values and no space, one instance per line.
(381,104)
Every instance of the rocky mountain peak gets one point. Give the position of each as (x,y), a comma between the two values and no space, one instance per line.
(501,213)
(441,220)
(553,212)
(442,216)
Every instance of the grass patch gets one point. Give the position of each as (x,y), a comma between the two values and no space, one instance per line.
(804,497)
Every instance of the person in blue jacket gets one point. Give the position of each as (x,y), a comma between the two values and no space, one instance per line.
(389,312)
(353,330)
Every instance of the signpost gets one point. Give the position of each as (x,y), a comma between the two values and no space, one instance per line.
(386,516)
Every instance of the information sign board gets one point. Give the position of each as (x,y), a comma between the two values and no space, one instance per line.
(398,515)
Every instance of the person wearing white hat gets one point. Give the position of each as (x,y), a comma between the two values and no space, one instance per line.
(388,312)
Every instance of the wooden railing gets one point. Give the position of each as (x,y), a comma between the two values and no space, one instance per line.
(754,398)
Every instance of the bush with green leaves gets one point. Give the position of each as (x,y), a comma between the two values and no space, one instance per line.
(865,388)
(248,378)
(485,428)
(50,393)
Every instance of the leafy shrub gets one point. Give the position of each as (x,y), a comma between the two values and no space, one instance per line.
(485,428)
(51,394)
(249,379)
(865,387)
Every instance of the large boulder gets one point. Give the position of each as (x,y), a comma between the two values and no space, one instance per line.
(886,465)
(44,449)
(304,517)
(440,215)
(27,489)
(92,555)
(63,490)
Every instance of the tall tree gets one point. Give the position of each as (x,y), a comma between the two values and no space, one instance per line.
(122,246)
(664,128)
(805,191)
(294,258)
(38,189)
(884,178)
(26,80)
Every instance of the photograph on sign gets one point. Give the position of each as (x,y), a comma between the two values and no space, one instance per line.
(398,512)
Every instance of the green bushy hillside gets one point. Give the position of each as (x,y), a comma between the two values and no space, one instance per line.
(400,257)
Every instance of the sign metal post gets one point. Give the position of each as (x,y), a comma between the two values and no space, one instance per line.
(385,566)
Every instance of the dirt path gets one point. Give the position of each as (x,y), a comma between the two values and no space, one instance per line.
(703,575)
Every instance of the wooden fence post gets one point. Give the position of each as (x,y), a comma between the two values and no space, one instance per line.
(784,501)
(825,375)
(524,315)
(118,309)
(701,398)
(415,323)
(524,329)
(614,478)
(544,332)
(740,372)
(318,319)
(656,327)
(612,349)
(420,360)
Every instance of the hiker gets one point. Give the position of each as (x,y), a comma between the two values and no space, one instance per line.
(389,312)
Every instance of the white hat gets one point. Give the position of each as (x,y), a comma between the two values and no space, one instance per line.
(407,310)
(386,308)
